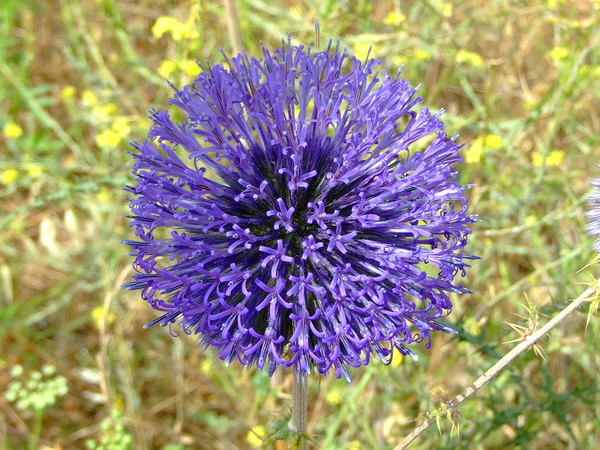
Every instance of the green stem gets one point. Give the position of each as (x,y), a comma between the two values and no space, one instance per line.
(300,406)
(37,429)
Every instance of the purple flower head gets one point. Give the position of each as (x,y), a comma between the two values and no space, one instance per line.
(303,214)
(593,215)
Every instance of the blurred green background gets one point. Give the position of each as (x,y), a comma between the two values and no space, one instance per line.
(520,81)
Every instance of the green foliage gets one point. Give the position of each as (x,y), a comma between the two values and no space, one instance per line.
(32,396)
(39,392)
(519,82)
(115,435)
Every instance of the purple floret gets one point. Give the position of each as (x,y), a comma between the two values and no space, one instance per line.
(593,215)
(303,214)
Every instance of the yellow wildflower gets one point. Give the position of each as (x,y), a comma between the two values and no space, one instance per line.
(98,316)
(143,122)
(470,58)
(422,55)
(446,9)
(190,67)
(121,126)
(473,154)
(105,110)
(481,145)
(361,50)
(89,98)
(394,18)
(333,397)
(8,176)
(530,220)
(104,196)
(181,30)
(354,445)
(67,93)
(34,171)
(12,130)
(472,326)
(255,436)
(492,141)
(108,139)
(397,358)
(554,158)
(167,67)
(177,29)
(206,367)
(558,53)
(398,60)
(163,24)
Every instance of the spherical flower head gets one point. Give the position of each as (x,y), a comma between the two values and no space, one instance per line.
(593,214)
(303,214)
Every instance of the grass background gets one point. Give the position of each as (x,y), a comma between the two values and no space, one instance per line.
(520,82)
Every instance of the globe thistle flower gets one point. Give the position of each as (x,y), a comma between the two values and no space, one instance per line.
(303,214)
(593,215)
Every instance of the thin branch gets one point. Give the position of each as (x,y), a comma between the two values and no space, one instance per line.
(233,25)
(501,364)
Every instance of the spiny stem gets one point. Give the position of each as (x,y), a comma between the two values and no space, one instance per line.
(233,25)
(300,405)
(501,364)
